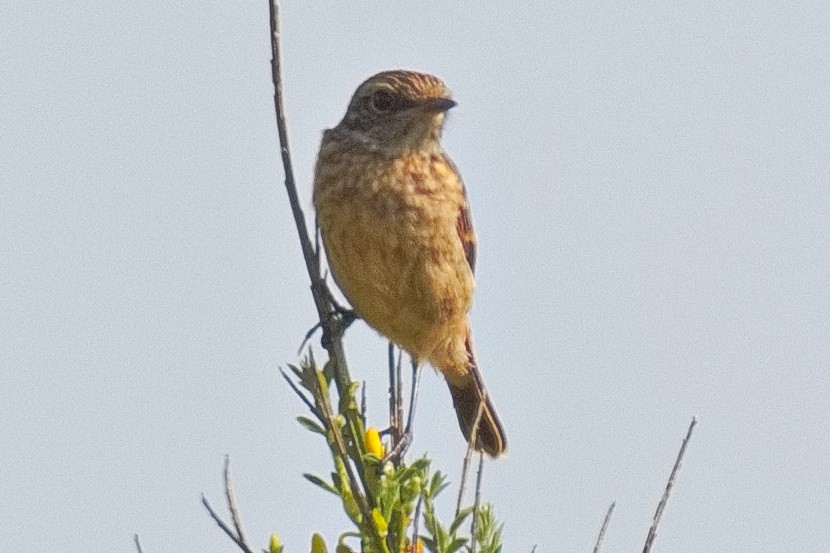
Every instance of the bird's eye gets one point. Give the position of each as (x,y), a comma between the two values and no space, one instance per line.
(382,101)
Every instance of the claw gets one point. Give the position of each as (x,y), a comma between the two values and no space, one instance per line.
(345,319)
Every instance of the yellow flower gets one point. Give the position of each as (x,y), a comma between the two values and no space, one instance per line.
(372,442)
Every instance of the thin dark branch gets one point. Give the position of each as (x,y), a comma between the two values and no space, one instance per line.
(465,466)
(301,395)
(225,528)
(285,153)
(308,336)
(464,469)
(319,290)
(602,530)
(477,503)
(415,520)
(336,435)
(238,536)
(399,395)
(323,300)
(363,403)
(137,544)
(652,532)
(231,497)
(394,397)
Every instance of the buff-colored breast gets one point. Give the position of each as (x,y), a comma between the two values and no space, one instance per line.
(389,227)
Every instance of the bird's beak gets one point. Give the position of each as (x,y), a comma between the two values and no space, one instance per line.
(437,105)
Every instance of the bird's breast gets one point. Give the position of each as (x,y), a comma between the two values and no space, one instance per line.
(389,229)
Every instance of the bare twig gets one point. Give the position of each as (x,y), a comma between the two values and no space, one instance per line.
(465,466)
(399,394)
(363,403)
(225,528)
(301,395)
(279,106)
(652,532)
(231,497)
(323,300)
(477,503)
(137,544)
(464,469)
(356,483)
(395,420)
(237,535)
(308,336)
(319,290)
(416,519)
(602,530)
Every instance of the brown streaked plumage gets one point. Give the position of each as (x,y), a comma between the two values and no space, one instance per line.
(395,223)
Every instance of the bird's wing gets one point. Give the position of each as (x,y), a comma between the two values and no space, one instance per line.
(466,232)
(464,223)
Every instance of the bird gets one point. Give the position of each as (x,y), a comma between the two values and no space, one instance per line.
(394,218)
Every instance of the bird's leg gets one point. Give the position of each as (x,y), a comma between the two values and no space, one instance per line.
(400,448)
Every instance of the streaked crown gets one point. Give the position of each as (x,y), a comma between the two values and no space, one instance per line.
(410,87)
(399,106)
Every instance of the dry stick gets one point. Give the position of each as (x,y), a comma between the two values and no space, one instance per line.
(238,536)
(415,520)
(401,433)
(466,464)
(604,527)
(225,528)
(477,503)
(399,395)
(319,290)
(301,395)
(337,435)
(363,403)
(137,544)
(394,398)
(321,293)
(652,532)
(231,497)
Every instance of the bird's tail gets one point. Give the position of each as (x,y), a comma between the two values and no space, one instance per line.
(469,397)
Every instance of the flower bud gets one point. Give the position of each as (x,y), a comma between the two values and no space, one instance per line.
(371,439)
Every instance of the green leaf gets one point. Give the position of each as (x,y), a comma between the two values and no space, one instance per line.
(459,520)
(297,371)
(314,479)
(311,424)
(455,545)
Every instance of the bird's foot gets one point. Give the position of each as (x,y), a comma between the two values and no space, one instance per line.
(342,318)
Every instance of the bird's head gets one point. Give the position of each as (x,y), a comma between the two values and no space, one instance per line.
(401,109)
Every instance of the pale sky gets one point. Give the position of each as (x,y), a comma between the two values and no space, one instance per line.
(649,184)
